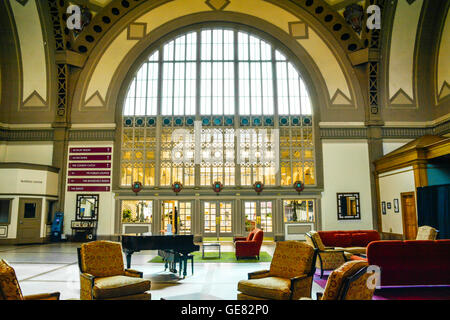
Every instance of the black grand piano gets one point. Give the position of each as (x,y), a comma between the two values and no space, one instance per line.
(173,249)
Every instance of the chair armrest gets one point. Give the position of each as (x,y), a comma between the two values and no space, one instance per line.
(43,296)
(258,274)
(239,239)
(134,273)
(295,279)
(86,286)
(332,250)
(250,243)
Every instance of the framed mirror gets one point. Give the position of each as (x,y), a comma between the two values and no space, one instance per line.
(87,206)
(348,206)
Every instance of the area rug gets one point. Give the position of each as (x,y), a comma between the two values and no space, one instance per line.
(225,257)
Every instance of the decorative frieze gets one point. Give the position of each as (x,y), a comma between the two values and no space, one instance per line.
(91,135)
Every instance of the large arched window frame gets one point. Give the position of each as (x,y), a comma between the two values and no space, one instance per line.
(247,96)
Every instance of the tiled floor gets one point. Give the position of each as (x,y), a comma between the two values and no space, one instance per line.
(53,267)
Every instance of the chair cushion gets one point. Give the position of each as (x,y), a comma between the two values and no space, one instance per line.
(9,286)
(291,259)
(274,288)
(343,239)
(359,240)
(102,258)
(336,278)
(119,286)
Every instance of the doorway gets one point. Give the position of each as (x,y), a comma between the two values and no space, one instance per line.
(259,214)
(29,221)
(179,210)
(409,215)
(218,219)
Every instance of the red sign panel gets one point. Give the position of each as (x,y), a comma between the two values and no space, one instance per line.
(94,165)
(90,150)
(90,181)
(90,173)
(89,158)
(88,189)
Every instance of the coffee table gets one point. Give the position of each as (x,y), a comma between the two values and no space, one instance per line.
(210,245)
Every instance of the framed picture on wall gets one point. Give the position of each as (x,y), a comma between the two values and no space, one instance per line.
(389,206)
(383,207)
(348,206)
(396,208)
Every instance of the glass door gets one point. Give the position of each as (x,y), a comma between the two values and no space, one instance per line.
(176,215)
(184,217)
(258,214)
(218,220)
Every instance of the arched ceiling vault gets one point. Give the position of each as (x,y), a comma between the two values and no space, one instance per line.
(118,33)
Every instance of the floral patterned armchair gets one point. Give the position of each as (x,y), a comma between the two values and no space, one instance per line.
(10,288)
(290,275)
(329,258)
(103,277)
(348,282)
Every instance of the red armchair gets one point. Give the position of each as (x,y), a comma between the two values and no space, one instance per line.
(250,246)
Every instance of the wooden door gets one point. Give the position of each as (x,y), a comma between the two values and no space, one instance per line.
(409,215)
(29,221)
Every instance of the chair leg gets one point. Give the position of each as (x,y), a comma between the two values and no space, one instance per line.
(321,267)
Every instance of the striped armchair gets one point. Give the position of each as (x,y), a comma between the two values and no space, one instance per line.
(103,276)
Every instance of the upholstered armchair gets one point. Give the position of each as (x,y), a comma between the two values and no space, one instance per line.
(348,282)
(10,288)
(250,248)
(426,233)
(329,258)
(290,276)
(103,277)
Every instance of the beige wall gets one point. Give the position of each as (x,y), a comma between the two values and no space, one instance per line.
(346,169)
(17,183)
(27,152)
(392,184)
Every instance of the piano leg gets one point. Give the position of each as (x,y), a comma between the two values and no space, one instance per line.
(184,267)
(129,260)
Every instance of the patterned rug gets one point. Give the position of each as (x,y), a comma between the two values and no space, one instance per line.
(225,257)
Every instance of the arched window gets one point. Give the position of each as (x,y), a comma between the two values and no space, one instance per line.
(240,102)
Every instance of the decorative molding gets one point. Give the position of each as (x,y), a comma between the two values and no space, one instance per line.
(92,135)
(95,101)
(343,133)
(28,166)
(299,30)
(34,100)
(346,132)
(445,90)
(401,98)
(26,135)
(339,98)
(218,5)
(22,2)
(136,31)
